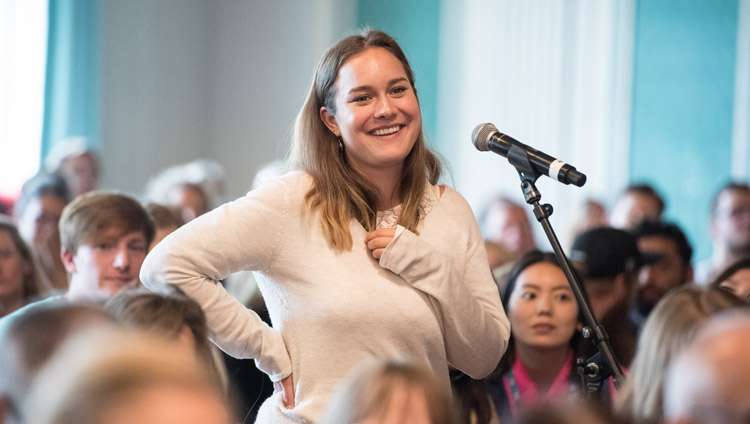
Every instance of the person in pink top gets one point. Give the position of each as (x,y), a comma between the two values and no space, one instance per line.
(539,365)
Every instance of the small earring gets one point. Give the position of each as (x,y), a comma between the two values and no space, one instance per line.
(341,146)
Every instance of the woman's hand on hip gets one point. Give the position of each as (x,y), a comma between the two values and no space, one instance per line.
(286,388)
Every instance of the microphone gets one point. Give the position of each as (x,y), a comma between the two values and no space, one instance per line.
(486,137)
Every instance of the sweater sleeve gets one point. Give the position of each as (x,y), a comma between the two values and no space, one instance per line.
(475,328)
(244,234)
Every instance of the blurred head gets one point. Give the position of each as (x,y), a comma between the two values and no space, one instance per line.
(170,314)
(76,162)
(20,277)
(29,340)
(540,304)
(672,266)
(608,260)
(362,98)
(707,382)
(668,329)
(166,220)
(190,199)
(506,223)
(736,280)
(730,218)
(37,211)
(105,238)
(637,203)
(390,392)
(122,377)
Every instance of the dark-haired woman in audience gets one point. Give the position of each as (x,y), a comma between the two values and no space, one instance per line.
(360,255)
(539,365)
(21,280)
(736,280)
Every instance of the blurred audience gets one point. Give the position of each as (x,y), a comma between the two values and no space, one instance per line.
(166,219)
(505,222)
(105,238)
(671,253)
(37,213)
(116,377)
(667,331)
(172,315)
(608,260)
(28,342)
(76,162)
(195,188)
(21,280)
(729,228)
(638,202)
(593,215)
(390,392)
(708,381)
(539,365)
(736,280)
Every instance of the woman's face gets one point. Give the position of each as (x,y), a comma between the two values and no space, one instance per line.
(13,268)
(738,283)
(377,112)
(542,310)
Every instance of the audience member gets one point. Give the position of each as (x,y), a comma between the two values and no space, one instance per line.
(608,261)
(638,202)
(667,331)
(74,160)
(539,364)
(21,280)
(671,253)
(707,382)
(116,377)
(105,238)
(37,213)
(593,215)
(28,342)
(166,220)
(390,392)
(195,187)
(170,314)
(505,222)
(736,280)
(729,228)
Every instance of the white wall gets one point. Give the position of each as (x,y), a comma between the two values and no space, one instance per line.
(223,80)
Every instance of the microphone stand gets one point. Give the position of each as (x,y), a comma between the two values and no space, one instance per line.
(594,370)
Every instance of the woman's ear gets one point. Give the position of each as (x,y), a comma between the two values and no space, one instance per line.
(330,121)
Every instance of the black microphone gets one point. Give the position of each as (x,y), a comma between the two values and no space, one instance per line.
(486,137)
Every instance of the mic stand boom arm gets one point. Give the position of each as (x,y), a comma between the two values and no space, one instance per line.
(596,369)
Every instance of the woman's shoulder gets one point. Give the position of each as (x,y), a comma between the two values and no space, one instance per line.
(293,183)
(452,201)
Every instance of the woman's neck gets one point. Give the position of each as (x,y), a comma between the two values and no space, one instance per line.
(542,364)
(10,302)
(385,181)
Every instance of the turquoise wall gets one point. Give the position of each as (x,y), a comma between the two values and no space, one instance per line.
(415,24)
(683,99)
(71,105)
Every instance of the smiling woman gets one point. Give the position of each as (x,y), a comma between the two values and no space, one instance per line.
(362,224)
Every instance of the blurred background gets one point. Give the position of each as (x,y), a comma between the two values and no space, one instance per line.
(628,91)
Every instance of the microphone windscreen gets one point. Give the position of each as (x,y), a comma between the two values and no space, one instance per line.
(481,136)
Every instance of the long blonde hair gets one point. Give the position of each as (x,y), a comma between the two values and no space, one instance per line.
(668,329)
(339,193)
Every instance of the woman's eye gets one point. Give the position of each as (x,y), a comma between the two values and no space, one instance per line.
(359,99)
(399,90)
(528,295)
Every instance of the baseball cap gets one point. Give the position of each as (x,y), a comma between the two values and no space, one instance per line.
(605,252)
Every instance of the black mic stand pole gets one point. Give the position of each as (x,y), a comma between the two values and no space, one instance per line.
(603,364)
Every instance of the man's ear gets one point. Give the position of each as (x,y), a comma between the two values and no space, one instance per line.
(330,121)
(68,260)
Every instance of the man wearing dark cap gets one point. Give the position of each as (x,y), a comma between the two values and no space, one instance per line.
(608,260)
(666,243)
